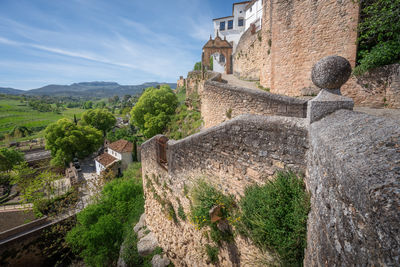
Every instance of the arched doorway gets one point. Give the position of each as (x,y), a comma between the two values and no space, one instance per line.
(221,47)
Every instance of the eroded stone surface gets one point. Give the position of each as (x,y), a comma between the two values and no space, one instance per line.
(160,261)
(147,244)
(354,179)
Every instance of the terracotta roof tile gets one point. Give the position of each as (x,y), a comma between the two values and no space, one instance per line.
(106,159)
(121,146)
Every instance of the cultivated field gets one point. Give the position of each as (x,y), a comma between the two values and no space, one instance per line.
(15,113)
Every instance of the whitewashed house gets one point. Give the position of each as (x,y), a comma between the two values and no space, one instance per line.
(232,27)
(253,14)
(117,156)
(244,15)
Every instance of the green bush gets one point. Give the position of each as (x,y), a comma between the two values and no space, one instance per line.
(212,253)
(100,227)
(274,216)
(204,198)
(185,122)
(379,34)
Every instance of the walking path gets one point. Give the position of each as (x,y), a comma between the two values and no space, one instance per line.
(233,80)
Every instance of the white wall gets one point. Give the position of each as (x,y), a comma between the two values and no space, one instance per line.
(99,167)
(113,153)
(217,66)
(234,34)
(254,15)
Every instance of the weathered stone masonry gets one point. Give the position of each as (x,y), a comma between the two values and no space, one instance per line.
(218,100)
(351,163)
(246,150)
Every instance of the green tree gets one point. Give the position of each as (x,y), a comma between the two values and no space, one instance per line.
(154,109)
(66,140)
(100,119)
(23,176)
(197,66)
(379,34)
(88,105)
(211,63)
(9,158)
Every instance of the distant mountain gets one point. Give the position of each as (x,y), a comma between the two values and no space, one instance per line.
(11,91)
(86,89)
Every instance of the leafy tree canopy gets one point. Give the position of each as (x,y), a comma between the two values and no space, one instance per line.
(100,119)
(379,34)
(9,158)
(197,66)
(66,140)
(153,110)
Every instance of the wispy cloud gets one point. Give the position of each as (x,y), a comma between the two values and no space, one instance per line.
(104,38)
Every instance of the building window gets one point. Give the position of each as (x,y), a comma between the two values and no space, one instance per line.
(240,22)
(230,24)
(222,26)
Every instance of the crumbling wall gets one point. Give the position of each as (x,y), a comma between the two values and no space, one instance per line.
(377,88)
(246,150)
(354,179)
(220,102)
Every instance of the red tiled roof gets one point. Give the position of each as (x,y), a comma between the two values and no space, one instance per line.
(106,159)
(121,146)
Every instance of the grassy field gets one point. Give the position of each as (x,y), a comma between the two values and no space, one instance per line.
(14,113)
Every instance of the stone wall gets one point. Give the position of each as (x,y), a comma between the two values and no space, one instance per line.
(181,82)
(220,102)
(195,81)
(354,180)
(246,150)
(249,56)
(379,87)
(302,32)
(295,35)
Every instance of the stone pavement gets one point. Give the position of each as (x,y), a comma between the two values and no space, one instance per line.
(233,80)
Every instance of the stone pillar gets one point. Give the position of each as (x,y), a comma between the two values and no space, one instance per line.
(329,74)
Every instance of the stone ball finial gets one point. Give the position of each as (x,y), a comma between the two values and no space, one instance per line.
(331,72)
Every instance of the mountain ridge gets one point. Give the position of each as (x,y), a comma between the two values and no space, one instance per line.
(85,89)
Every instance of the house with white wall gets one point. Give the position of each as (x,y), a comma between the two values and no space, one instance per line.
(244,14)
(116,152)
(253,14)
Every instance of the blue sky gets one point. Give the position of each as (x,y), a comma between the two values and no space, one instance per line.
(127,41)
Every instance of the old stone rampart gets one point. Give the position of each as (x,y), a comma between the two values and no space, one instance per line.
(246,150)
(195,81)
(354,180)
(351,163)
(377,88)
(221,101)
(249,56)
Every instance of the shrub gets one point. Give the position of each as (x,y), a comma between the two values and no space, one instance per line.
(100,228)
(212,253)
(181,213)
(274,216)
(379,34)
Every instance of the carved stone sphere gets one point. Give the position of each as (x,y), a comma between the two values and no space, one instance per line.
(331,72)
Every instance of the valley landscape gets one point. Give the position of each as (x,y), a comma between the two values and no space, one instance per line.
(278,145)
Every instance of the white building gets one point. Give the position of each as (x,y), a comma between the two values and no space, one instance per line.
(232,27)
(119,151)
(253,14)
(244,14)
